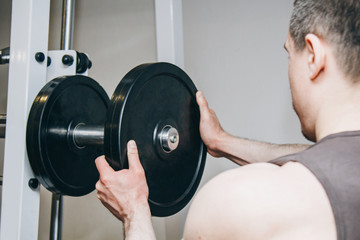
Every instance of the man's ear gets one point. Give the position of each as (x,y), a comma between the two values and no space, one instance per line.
(316,55)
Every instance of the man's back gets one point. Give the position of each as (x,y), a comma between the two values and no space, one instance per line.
(335,162)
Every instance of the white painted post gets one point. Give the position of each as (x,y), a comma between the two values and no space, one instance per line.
(29,35)
(170,48)
(169,31)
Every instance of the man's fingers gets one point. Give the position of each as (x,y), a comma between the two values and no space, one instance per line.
(133,156)
(98,186)
(203,105)
(103,166)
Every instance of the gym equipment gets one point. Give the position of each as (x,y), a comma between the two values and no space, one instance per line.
(2,118)
(18,200)
(71,122)
(5,55)
(2,125)
(61,105)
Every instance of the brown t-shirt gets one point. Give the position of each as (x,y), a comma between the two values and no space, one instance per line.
(335,161)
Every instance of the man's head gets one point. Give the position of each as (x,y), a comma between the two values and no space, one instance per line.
(323,41)
(335,21)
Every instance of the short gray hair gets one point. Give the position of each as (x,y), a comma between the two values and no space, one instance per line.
(337,22)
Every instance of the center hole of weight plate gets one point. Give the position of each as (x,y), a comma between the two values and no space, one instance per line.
(169,138)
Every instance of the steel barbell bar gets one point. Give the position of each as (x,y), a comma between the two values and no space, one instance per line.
(83,135)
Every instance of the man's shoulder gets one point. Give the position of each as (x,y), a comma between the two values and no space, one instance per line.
(259,201)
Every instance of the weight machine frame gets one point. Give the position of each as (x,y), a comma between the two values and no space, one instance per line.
(29,35)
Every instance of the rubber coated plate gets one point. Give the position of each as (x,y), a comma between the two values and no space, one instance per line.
(63,103)
(149,98)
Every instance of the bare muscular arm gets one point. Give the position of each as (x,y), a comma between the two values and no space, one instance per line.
(261,201)
(240,150)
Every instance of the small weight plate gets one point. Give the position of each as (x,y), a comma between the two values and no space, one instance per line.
(150,99)
(57,162)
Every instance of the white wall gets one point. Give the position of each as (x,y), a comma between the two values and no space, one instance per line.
(233,52)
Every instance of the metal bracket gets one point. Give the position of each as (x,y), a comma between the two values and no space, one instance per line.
(57,68)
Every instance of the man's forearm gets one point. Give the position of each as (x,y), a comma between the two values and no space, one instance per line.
(140,228)
(243,151)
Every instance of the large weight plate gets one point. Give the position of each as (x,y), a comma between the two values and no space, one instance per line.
(61,104)
(149,98)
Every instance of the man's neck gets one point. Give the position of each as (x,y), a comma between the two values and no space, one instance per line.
(339,115)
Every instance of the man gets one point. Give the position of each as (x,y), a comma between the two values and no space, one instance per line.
(313,194)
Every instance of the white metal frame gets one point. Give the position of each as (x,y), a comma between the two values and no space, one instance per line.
(169,31)
(170,48)
(57,68)
(29,35)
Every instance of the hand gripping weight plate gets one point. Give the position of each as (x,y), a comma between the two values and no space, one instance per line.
(155,105)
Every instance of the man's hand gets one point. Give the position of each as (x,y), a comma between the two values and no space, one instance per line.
(211,131)
(125,193)
(240,150)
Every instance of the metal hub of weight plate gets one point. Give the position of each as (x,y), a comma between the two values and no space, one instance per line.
(155,105)
(61,105)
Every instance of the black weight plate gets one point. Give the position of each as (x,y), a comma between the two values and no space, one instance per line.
(63,103)
(148,98)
